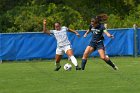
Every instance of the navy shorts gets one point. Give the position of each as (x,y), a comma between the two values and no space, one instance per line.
(97,45)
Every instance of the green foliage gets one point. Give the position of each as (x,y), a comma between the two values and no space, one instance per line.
(23,19)
(29,18)
(115,21)
(27,15)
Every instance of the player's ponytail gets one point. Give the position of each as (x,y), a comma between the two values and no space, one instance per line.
(102,17)
(99,19)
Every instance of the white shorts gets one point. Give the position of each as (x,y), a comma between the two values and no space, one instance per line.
(63,49)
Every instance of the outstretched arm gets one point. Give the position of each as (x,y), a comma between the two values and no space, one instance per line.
(45,30)
(87,32)
(108,34)
(73,31)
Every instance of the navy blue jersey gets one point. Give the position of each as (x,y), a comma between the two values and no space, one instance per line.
(97,32)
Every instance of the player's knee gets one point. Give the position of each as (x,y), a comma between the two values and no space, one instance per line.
(107,57)
(69,52)
(103,58)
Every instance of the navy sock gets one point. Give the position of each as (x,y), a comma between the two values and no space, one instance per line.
(84,61)
(110,63)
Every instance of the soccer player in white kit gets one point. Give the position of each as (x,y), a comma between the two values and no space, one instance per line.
(63,44)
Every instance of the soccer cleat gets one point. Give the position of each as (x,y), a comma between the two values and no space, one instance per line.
(57,68)
(78,68)
(115,68)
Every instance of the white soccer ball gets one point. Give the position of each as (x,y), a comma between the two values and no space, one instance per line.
(67,67)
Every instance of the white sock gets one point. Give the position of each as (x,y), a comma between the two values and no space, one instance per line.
(57,64)
(74,61)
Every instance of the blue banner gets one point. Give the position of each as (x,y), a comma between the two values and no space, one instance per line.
(138,42)
(22,46)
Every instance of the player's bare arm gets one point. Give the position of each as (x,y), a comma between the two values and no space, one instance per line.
(73,31)
(45,30)
(108,34)
(87,32)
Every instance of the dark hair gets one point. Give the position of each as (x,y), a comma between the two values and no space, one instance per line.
(55,23)
(102,17)
(99,19)
(94,20)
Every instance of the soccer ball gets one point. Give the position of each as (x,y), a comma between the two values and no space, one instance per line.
(67,67)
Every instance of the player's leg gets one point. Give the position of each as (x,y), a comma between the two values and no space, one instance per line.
(57,62)
(106,59)
(69,52)
(87,52)
(106,54)
(59,53)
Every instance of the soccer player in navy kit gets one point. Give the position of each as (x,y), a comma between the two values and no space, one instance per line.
(98,29)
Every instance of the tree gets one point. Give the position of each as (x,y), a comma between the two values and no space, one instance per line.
(29,18)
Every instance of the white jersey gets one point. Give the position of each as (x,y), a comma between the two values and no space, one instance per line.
(61,37)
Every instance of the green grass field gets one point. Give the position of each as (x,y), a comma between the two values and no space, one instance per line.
(39,77)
